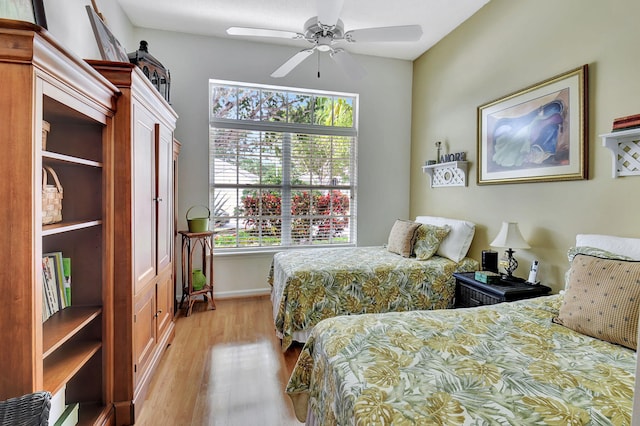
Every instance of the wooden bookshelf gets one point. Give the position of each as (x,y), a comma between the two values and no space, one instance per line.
(74,347)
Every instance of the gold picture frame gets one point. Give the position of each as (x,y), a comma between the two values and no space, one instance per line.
(538,134)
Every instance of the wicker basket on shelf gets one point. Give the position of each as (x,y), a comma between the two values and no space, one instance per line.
(51,197)
(29,410)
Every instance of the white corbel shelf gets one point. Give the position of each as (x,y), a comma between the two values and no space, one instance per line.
(625,151)
(452,173)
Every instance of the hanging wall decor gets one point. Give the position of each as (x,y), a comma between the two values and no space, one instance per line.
(537,134)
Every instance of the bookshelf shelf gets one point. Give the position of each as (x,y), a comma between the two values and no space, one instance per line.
(452,173)
(58,228)
(64,363)
(625,151)
(65,324)
(54,157)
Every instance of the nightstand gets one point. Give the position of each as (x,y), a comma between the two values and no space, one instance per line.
(470,293)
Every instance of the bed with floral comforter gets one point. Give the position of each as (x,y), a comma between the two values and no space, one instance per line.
(505,364)
(311,285)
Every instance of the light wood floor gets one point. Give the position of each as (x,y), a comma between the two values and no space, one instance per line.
(224,368)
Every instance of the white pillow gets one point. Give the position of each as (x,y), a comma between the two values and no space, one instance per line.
(456,245)
(618,245)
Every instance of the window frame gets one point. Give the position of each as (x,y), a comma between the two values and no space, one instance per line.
(286,188)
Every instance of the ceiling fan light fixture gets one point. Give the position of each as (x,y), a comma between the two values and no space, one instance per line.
(323,44)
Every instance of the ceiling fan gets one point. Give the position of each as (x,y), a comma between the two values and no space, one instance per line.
(324,32)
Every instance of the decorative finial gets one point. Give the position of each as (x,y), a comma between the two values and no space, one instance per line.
(438,144)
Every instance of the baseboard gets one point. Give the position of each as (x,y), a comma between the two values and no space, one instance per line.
(242,293)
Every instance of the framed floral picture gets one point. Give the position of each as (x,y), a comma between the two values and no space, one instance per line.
(24,10)
(537,134)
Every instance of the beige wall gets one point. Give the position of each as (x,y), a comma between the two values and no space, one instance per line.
(509,45)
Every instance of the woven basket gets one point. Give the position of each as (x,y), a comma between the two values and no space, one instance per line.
(28,410)
(51,198)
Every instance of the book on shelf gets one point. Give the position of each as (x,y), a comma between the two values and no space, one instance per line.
(58,405)
(66,272)
(56,283)
(625,123)
(49,285)
(45,308)
(59,277)
(69,417)
(46,312)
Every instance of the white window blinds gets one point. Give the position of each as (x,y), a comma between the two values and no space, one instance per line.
(282,166)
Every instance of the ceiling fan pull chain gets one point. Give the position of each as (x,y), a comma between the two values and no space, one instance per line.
(318,64)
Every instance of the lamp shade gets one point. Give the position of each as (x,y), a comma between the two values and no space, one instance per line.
(510,237)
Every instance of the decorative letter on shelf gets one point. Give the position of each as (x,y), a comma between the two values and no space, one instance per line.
(625,151)
(453,173)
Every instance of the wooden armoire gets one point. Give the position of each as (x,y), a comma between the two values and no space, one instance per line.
(144,292)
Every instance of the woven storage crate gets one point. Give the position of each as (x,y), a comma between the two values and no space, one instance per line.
(51,197)
(28,410)
(46,127)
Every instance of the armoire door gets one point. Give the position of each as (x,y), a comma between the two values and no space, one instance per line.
(164,188)
(144,194)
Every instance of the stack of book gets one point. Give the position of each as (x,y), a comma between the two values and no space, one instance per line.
(61,413)
(626,123)
(56,283)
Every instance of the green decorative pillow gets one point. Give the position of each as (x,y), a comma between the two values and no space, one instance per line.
(402,237)
(428,240)
(602,299)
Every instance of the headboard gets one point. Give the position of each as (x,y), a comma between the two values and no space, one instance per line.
(618,245)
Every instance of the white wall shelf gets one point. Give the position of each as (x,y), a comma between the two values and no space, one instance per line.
(625,151)
(452,173)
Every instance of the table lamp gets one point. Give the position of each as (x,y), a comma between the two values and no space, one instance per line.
(510,237)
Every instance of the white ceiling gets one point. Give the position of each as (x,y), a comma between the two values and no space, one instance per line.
(213,17)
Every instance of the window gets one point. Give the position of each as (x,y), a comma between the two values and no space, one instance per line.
(282,166)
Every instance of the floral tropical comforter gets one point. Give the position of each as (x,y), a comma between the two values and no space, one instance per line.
(504,364)
(311,285)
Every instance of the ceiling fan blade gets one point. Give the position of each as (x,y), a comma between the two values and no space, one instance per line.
(261,32)
(380,34)
(293,62)
(329,11)
(348,64)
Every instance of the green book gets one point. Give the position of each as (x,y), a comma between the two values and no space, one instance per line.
(69,417)
(66,269)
